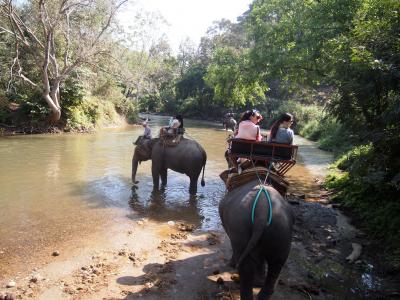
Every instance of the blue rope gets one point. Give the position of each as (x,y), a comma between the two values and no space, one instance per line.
(262,189)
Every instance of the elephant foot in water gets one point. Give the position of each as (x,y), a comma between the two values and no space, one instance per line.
(135,184)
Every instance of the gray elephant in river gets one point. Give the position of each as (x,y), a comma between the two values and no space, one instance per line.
(256,244)
(187,157)
(229,123)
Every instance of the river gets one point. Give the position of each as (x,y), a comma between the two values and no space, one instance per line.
(56,189)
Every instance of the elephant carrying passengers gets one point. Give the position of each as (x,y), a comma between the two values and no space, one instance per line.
(228,121)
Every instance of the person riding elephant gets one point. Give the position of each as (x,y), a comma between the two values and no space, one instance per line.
(187,157)
(147,130)
(280,130)
(174,127)
(258,222)
(229,121)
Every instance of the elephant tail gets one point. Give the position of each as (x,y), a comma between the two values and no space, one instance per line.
(257,230)
(202,177)
(204,167)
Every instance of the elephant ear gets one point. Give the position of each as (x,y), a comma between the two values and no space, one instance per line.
(144,148)
(139,140)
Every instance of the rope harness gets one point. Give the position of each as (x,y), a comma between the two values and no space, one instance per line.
(266,193)
(262,189)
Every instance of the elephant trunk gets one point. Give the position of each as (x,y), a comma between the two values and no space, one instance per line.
(135,163)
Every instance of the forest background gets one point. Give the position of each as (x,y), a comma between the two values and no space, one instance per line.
(334,64)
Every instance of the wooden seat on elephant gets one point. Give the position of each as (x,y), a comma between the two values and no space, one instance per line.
(283,156)
(234,180)
(171,137)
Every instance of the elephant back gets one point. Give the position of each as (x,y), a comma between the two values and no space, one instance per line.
(235,180)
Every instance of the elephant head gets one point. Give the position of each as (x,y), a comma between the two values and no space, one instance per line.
(142,152)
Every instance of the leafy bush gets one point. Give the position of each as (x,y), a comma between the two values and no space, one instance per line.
(127,108)
(34,111)
(91,113)
(72,92)
(312,130)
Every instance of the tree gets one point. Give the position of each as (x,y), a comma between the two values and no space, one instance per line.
(56,37)
(229,74)
(186,55)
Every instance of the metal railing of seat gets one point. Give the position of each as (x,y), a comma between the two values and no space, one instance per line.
(282,155)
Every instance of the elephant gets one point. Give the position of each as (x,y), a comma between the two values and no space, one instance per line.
(229,123)
(258,244)
(187,157)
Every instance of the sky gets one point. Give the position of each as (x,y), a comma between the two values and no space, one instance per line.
(187,18)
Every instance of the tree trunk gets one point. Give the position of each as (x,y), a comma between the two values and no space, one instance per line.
(55,109)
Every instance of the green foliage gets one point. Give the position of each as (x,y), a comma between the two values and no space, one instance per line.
(190,108)
(90,114)
(232,83)
(354,156)
(3,116)
(370,185)
(72,92)
(127,108)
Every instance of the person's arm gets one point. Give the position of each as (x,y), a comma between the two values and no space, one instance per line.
(258,137)
(291,136)
(236,131)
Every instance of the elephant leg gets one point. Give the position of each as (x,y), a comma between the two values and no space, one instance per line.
(193,186)
(237,247)
(246,274)
(232,261)
(155,172)
(163,174)
(274,270)
(259,278)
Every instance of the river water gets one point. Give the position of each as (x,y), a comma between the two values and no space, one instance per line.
(57,190)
